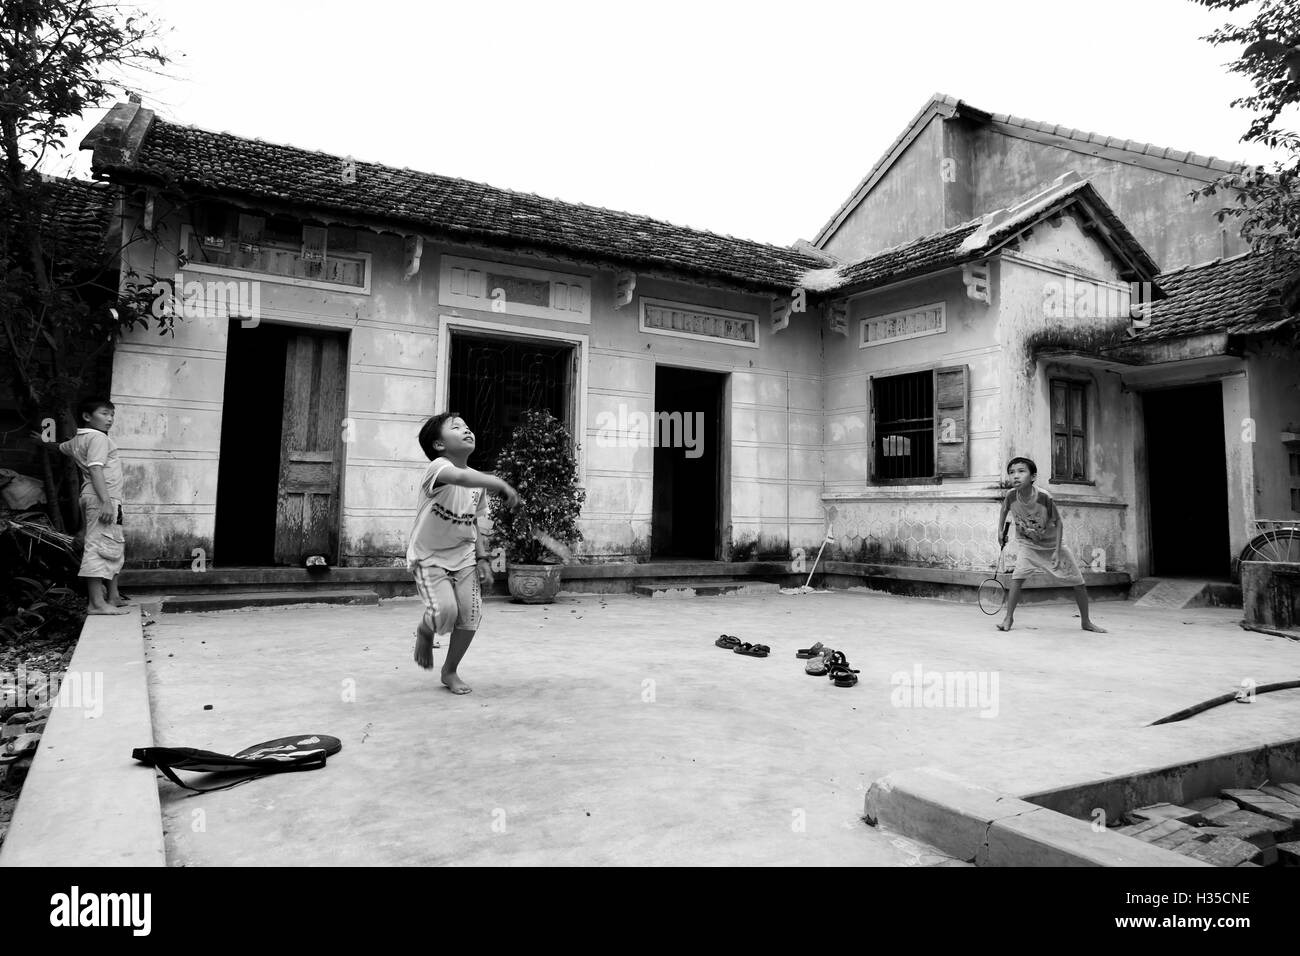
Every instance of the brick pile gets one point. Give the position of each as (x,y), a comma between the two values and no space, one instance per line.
(1239,827)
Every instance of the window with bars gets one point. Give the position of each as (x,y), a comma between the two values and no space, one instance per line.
(1069,430)
(919,425)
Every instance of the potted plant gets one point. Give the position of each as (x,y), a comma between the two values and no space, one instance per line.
(539,463)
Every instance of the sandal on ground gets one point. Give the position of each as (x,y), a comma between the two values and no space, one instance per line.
(806,652)
(838,670)
(727,642)
(842,676)
(753,650)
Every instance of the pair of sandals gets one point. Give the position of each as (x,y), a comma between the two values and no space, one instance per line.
(824,662)
(734,644)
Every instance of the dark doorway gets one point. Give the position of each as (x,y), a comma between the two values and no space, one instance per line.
(686,433)
(493,380)
(249,467)
(1187,481)
(281,458)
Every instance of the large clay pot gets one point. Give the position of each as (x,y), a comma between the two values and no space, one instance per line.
(534,583)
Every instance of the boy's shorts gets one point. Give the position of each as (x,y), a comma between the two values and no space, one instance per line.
(105,545)
(1032,560)
(451,597)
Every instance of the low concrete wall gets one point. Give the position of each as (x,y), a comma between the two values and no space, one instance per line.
(85,801)
(1177,783)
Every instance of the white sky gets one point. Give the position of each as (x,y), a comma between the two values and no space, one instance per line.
(755,119)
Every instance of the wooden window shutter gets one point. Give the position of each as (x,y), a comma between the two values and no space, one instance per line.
(872,470)
(951,422)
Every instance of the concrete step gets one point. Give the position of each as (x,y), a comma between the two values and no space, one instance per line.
(1171,593)
(705,588)
(227,600)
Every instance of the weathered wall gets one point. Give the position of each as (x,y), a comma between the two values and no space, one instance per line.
(1153,205)
(991,170)
(949,524)
(1273,375)
(170,397)
(1058,258)
(905,204)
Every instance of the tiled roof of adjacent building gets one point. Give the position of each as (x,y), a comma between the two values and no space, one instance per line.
(203,162)
(77,219)
(1239,296)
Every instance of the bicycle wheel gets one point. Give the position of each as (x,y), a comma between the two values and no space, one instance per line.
(992,595)
(1281,545)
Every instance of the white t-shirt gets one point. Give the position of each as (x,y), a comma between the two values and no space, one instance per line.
(446,521)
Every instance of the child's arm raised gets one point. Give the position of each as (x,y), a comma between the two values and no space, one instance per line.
(471,478)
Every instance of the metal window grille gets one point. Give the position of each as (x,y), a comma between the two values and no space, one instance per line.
(493,381)
(904,414)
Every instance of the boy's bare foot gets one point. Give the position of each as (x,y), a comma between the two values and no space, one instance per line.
(1089,626)
(122,602)
(106,609)
(424,649)
(1005,625)
(454,683)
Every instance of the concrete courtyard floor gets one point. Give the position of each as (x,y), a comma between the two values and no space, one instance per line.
(608,729)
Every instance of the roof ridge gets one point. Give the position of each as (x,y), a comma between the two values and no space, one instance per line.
(473,182)
(1216,261)
(1137,147)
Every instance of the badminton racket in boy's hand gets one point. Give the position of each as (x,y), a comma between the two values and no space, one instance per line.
(993,593)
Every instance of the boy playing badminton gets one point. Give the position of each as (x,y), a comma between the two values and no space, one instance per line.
(446,554)
(1039,531)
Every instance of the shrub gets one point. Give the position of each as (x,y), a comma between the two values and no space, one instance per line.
(539,462)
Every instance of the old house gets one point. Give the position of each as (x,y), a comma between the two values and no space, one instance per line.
(992,288)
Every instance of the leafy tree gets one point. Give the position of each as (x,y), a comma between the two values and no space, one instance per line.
(58,317)
(1265,200)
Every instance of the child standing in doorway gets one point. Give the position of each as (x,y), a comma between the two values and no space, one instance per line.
(446,554)
(1039,532)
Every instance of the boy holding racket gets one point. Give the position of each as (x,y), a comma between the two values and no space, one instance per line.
(1039,530)
(446,555)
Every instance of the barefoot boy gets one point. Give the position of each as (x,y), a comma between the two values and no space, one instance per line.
(1039,532)
(446,556)
(101,504)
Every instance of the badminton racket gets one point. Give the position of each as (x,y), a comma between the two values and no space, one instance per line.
(992,592)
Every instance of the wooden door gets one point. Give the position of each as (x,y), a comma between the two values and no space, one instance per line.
(311,447)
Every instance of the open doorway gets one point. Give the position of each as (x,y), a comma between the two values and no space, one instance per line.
(1187,476)
(281,459)
(686,433)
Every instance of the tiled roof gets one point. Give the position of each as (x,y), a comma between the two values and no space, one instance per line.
(78,215)
(1239,296)
(223,164)
(941,250)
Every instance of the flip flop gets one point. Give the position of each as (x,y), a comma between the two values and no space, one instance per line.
(753,650)
(806,652)
(727,642)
